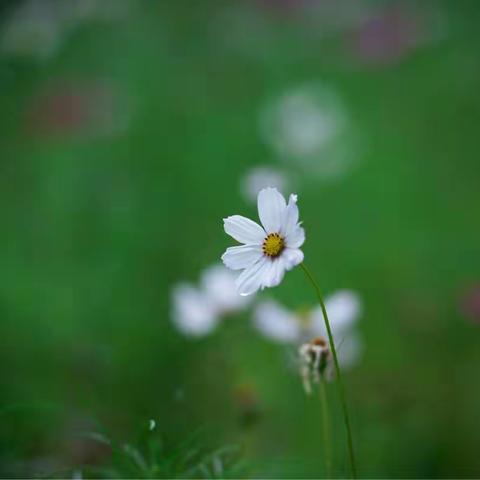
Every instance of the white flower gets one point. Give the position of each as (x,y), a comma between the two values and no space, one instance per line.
(309,126)
(303,121)
(277,323)
(268,251)
(197,311)
(343,309)
(258,178)
(283,326)
(192,313)
(218,285)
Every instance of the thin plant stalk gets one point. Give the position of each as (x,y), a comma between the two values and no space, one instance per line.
(326,429)
(341,388)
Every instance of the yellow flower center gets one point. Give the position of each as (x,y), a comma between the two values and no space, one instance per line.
(273,245)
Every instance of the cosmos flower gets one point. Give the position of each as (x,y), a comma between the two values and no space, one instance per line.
(283,326)
(218,285)
(309,128)
(301,123)
(197,311)
(258,178)
(268,250)
(192,312)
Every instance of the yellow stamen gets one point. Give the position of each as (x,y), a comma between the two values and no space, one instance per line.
(273,245)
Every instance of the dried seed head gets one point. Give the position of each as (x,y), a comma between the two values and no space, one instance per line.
(315,358)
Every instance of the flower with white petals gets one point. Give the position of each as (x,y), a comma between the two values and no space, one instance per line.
(218,286)
(283,326)
(268,250)
(197,311)
(192,313)
(309,126)
(303,121)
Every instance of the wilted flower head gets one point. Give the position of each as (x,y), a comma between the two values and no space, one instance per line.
(315,362)
(268,250)
(258,178)
(281,325)
(197,310)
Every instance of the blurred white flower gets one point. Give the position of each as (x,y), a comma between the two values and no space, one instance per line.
(310,127)
(218,285)
(32,30)
(343,307)
(192,313)
(77,475)
(258,178)
(37,28)
(277,323)
(198,310)
(268,251)
(302,122)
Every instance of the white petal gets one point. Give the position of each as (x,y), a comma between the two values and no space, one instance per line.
(252,278)
(292,257)
(290,220)
(276,273)
(271,209)
(317,325)
(276,322)
(262,177)
(295,238)
(242,256)
(343,309)
(244,230)
(193,313)
(218,285)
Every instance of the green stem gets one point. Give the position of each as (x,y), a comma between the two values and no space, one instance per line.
(326,429)
(341,389)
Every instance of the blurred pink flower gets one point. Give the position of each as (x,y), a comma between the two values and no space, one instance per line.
(387,37)
(69,108)
(470,303)
(287,5)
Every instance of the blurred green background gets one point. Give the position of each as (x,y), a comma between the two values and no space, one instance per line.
(126,128)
